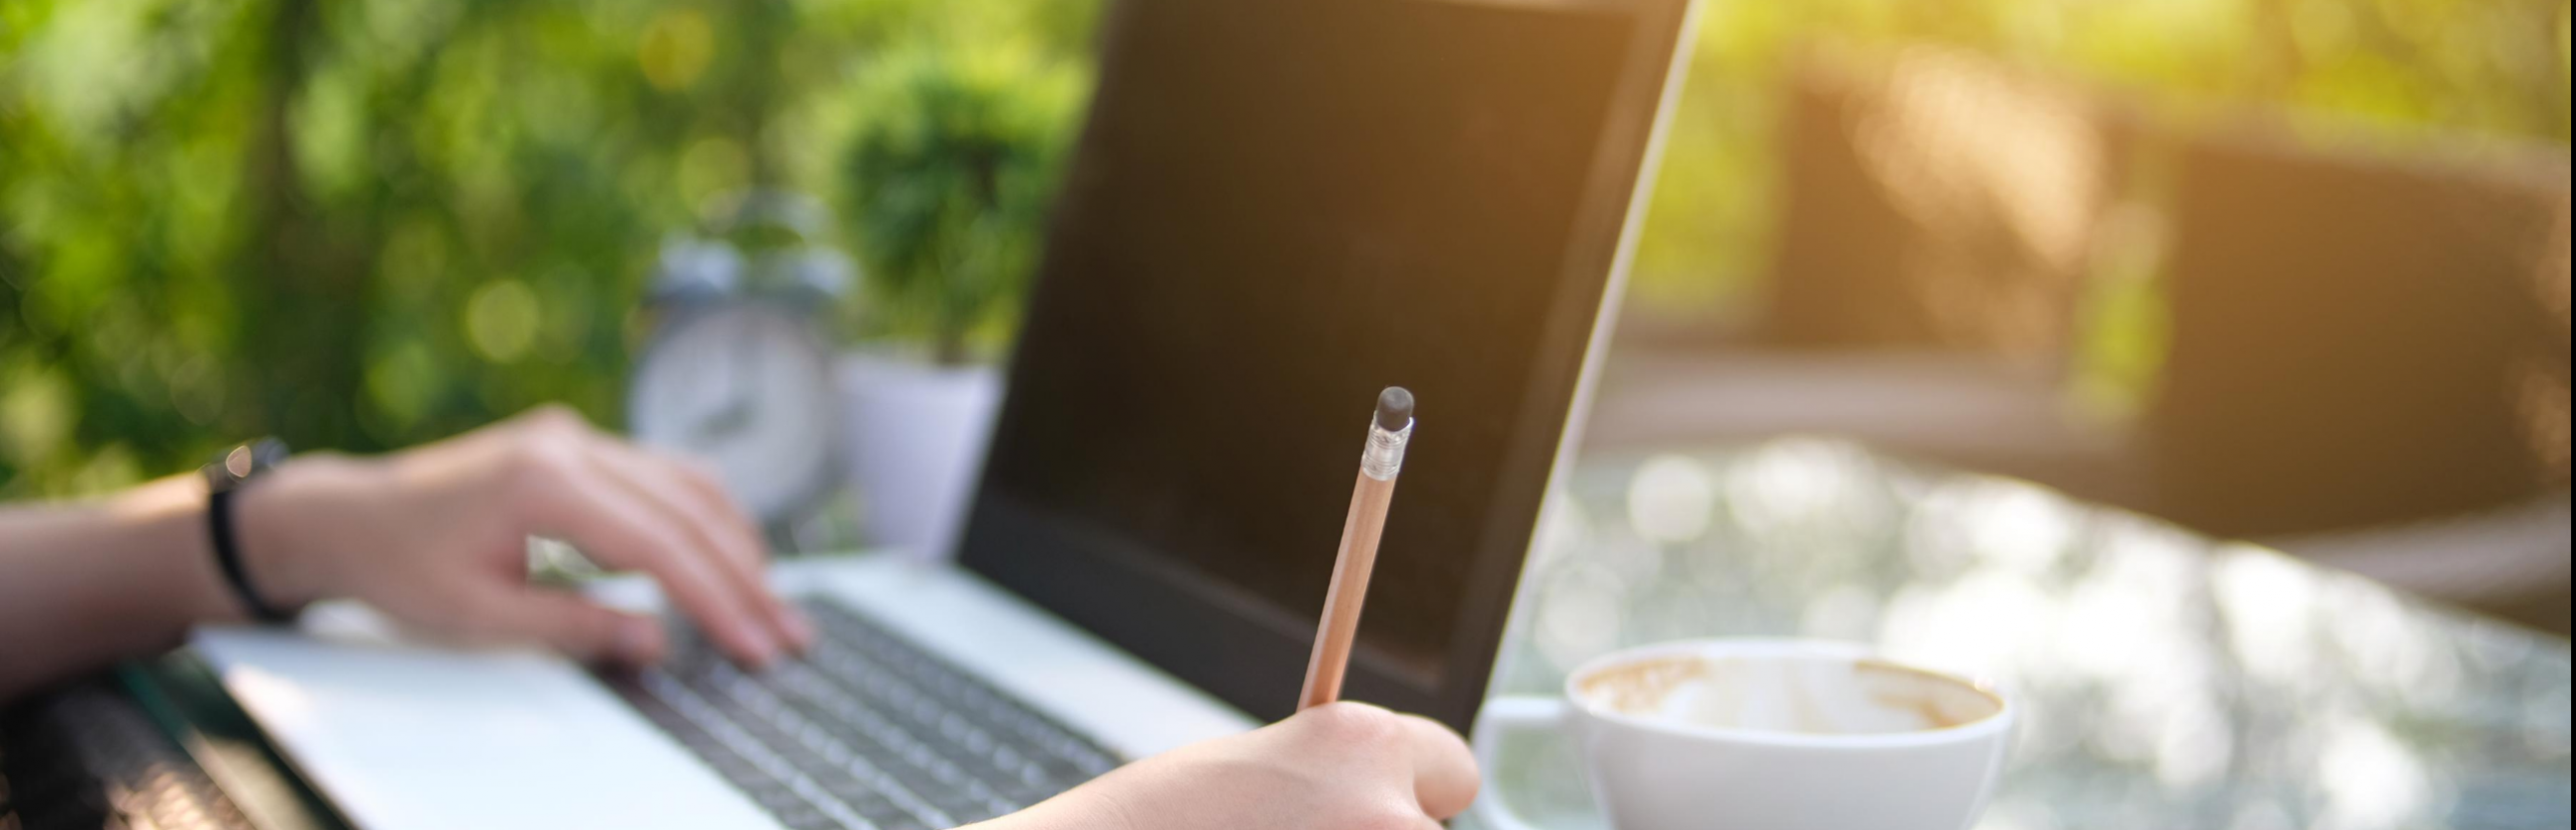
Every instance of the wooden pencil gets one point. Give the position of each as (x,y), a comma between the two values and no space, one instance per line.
(1380,461)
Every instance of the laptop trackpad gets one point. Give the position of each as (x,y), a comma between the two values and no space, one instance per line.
(408,737)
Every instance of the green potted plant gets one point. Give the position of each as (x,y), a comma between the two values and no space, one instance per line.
(946,181)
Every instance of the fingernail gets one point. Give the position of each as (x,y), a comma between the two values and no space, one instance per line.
(763,647)
(638,641)
(800,631)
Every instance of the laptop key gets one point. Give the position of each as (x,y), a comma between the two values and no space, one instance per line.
(868,732)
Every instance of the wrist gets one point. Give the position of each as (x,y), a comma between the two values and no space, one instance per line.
(1083,807)
(276,524)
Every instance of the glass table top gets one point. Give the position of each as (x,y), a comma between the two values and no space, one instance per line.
(2169,681)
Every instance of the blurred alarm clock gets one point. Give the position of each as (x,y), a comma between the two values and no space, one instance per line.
(736,370)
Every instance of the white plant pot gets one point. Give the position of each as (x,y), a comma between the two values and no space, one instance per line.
(916,445)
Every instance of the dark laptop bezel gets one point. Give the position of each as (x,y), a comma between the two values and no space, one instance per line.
(1254,657)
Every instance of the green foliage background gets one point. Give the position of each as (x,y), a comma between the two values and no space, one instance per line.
(947,183)
(360,224)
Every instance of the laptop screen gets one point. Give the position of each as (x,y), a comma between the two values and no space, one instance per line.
(1278,208)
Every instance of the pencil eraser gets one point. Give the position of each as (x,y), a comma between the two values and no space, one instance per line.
(1394,408)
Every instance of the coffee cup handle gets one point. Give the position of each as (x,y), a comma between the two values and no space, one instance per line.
(1501,716)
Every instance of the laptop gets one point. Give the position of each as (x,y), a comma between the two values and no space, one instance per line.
(1277,208)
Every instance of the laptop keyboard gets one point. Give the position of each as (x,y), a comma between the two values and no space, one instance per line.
(91,757)
(865,732)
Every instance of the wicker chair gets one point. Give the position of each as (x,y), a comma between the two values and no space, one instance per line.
(1940,202)
(2370,351)
(1938,212)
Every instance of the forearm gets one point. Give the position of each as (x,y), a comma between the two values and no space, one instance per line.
(82,585)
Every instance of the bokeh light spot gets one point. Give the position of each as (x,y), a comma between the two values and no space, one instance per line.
(712,167)
(402,381)
(676,49)
(1670,499)
(1579,616)
(2371,779)
(197,389)
(501,320)
(35,415)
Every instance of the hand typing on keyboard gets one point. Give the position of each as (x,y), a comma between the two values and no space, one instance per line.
(1346,766)
(435,536)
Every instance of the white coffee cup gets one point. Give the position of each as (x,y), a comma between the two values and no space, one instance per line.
(1766,735)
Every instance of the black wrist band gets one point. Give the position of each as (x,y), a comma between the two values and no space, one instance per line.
(219,529)
(225,477)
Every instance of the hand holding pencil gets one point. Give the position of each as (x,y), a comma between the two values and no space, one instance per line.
(1331,767)
(1382,458)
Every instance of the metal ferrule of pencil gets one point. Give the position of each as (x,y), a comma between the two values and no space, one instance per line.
(1384,457)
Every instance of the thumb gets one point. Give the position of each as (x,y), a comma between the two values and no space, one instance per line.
(575,626)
